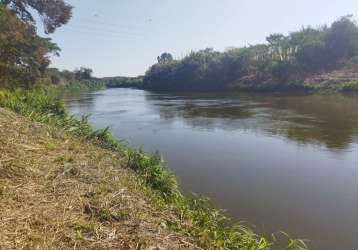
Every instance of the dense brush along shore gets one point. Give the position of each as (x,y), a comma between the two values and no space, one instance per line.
(64,185)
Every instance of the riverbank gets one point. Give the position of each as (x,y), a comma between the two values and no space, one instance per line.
(339,80)
(344,80)
(65,154)
(58,192)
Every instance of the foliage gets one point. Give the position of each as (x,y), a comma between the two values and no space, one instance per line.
(71,82)
(283,61)
(123,82)
(54,13)
(165,58)
(192,72)
(75,87)
(342,39)
(83,73)
(24,56)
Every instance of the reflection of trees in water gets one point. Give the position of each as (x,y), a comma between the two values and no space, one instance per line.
(200,112)
(80,104)
(330,120)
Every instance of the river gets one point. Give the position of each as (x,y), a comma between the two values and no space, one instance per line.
(275,161)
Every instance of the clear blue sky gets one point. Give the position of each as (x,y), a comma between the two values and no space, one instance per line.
(124,37)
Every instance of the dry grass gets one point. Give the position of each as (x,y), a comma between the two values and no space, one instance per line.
(58,192)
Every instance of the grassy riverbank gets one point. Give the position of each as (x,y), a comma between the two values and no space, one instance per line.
(64,185)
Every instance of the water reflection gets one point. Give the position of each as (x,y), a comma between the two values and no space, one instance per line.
(328,120)
(81,103)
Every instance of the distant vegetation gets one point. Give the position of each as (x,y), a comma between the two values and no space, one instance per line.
(325,57)
(123,82)
(77,80)
(300,60)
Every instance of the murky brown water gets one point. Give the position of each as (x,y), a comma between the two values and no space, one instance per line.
(278,161)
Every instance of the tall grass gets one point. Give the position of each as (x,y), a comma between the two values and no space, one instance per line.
(46,108)
(198,219)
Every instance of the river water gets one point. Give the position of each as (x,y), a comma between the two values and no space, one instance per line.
(275,161)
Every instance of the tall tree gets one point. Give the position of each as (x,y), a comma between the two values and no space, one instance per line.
(83,73)
(165,58)
(342,38)
(24,56)
(54,13)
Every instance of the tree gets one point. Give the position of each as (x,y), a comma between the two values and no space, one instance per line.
(83,73)
(310,49)
(54,13)
(68,75)
(342,38)
(24,56)
(279,47)
(282,60)
(165,58)
(275,39)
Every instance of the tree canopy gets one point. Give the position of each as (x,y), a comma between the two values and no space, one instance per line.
(54,13)
(83,73)
(165,58)
(282,60)
(24,56)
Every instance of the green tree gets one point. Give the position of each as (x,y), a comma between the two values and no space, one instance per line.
(310,49)
(279,62)
(24,56)
(275,39)
(342,38)
(83,73)
(54,13)
(165,58)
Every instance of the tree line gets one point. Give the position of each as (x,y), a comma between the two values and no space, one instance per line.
(282,62)
(123,82)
